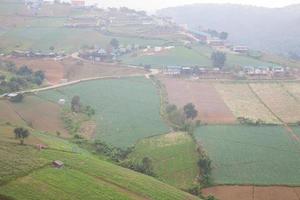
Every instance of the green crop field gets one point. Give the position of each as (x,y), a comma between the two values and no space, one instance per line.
(177,56)
(264,155)
(126,109)
(26,174)
(173,156)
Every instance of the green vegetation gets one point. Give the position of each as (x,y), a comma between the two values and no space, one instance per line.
(174,158)
(177,56)
(83,177)
(62,38)
(126,109)
(263,155)
(21,134)
(13,79)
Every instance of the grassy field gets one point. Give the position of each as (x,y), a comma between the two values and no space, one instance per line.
(126,109)
(83,177)
(264,155)
(177,56)
(243,103)
(198,55)
(173,156)
(233,60)
(43,33)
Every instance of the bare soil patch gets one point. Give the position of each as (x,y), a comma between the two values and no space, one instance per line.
(77,69)
(253,193)
(211,108)
(40,114)
(53,70)
(7,114)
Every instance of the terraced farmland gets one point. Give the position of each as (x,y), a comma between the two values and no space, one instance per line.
(126,109)
(173,156)
(211,107)
(83,177)
(285,106)
(244,103)
(264,155)
(39,114)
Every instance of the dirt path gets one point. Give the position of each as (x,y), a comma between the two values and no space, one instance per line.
(289,130)
(75,82)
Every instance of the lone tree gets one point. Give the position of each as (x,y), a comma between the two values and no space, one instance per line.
(21,134)
(190,111)
(75,104)
(218,58)
(114,43)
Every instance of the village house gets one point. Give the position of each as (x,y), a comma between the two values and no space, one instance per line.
(240,49)
(172,70)
(215,42)
(61,102)
(57,164)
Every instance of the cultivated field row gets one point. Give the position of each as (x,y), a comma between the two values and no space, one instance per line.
(224,103)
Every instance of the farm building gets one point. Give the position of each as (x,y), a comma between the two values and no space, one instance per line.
(240,49)
(57,164)
(215,42)
(202,36)
(187,70)
(256,71)
(61,101)
(172,70)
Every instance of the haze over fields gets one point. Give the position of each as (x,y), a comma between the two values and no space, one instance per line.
(274,30)
(118,104)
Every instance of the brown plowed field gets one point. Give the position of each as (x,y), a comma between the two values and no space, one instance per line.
(40,114)
(75,69)
(253,193)
(7,114)
(211,108)
(54,70)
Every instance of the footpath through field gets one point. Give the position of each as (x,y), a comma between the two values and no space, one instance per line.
(289,130)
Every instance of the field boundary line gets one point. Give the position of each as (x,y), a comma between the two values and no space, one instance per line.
(265,105)
(137,195)
(288,91)
(298,196)
(288,129)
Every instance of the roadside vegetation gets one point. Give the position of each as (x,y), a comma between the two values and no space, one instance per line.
(13,78)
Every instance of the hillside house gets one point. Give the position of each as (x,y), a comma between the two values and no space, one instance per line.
(57,164)
(187,70)
(172,70)
(240,49)
(215,42)
(61,102)
(157,49)
(256,71)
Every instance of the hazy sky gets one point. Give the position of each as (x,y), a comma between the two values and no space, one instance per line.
(151,5)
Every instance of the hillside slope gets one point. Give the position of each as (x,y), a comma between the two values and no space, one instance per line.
(273,30)
(27,174)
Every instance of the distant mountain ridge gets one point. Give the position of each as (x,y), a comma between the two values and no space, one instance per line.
(274,30)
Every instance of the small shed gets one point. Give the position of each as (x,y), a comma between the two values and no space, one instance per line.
(57,164)
(61,101)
